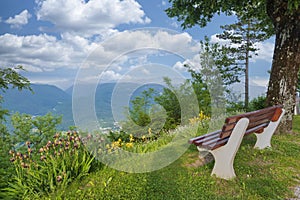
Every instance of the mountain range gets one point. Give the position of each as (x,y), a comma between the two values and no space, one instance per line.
(49,98)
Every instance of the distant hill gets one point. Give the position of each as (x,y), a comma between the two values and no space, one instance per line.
(49,98)
(43,99)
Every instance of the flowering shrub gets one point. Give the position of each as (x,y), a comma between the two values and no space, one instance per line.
(126,142)
(52,166)
(202,119)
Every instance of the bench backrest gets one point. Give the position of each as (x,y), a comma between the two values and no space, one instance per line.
(258,120)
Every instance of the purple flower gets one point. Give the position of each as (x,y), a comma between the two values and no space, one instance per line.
(58,178)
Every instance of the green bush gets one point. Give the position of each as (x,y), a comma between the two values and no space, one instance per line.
(37,130)
(257,103)
(53,166)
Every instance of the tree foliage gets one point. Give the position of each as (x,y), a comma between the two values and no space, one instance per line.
(201,12)
(9,77)
(177,100)
(220,57)
(37,130)
(275,17)
(143,115)
(243,35)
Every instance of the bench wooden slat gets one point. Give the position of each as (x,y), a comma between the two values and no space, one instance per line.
(257,129)
(260,117)
(199,142)
(191,141)
(257,123)
(253,121)
(214,144)
(220,143)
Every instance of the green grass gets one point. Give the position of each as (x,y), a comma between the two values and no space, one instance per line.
(261,174)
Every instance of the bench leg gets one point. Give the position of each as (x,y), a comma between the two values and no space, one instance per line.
(264,138)
(224,156)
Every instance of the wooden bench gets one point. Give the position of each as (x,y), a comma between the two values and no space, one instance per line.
(223,144)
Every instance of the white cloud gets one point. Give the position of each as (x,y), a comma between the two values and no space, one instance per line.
(42,51)
(259,81)
(179,66)
(152,40)
(63,83)
(110,75)
(46,53)
(265,52)
(91,17)
(19,20)
(193,62)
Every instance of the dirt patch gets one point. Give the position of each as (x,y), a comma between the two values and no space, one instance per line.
(198,160)
(296,193)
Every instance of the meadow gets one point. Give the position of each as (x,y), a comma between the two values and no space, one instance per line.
(261,174)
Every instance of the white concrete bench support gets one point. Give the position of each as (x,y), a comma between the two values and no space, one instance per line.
(224,156)
(264,138)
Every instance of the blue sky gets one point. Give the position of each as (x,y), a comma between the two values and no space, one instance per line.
(55,39)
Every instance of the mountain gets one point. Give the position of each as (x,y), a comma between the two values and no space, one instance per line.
(110,99)
(49,98)
(43,99)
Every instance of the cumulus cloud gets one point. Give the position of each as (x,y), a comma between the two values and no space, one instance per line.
(19,20)
(265,51)
(90,17)
(259,81)
(40,51)
(193,63)
(44,53)
(179,66)
(110,76)
(151,40)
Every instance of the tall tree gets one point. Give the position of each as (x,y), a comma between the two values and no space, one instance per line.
(216,74)
(242,36)
(279,17)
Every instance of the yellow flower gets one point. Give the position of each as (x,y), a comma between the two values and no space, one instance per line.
(143,137)
(131,139)
(201,115)
(129,145)
(115,144)
(149,131)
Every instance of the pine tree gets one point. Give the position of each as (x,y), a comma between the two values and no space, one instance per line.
(242,36)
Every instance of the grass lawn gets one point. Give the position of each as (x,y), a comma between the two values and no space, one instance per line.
(261,174)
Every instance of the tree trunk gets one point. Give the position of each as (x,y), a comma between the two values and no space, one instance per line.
(247,81)
(247,67)
(286,60)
